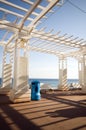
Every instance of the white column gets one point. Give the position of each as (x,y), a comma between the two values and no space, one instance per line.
(4,62)
(62,72)
(6,70)
(26,55)
(20,91)
(15,69)
(82,72)
(85,71)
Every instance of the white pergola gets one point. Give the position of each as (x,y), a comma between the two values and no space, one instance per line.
(18,22)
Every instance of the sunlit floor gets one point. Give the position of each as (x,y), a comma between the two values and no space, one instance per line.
(53,112)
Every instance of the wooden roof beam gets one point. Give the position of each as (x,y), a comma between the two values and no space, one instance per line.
(18,7)
(51,43)
(12,26)
(53,47)
(2,43)
(43,12)
(11,39)
(4,37)
(13,13)
(56,37)
(53,39)
(68,40)
(39,6)
(45,50)
(29,13)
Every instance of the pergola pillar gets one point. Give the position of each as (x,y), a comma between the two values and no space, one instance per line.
(82,72)
(20,91)
(62,73)
(7,69)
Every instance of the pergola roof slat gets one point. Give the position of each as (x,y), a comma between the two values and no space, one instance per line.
(20,22)
(14,13)
(49,37)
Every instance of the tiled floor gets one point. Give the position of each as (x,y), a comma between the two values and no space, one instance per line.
(55,111)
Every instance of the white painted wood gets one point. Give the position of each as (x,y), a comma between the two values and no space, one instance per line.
(62,73)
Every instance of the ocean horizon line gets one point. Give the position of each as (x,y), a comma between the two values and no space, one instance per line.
(50,78)
(53,82)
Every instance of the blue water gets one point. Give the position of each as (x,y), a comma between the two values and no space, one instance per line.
(53,82)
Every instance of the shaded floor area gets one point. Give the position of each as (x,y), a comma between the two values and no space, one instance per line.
(55,111)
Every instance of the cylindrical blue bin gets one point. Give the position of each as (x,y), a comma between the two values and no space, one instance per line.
(35,90)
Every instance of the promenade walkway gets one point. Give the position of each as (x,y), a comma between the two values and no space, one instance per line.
(55,111)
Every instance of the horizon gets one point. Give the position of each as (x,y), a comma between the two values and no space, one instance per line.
(47,78)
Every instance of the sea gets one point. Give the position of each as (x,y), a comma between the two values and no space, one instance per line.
(52,82)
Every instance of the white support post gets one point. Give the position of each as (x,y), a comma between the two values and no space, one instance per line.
(85,71)
(6,70)
(15,68)
(82,72)
(20,91)
(27,55)
(63,73)
(4,61)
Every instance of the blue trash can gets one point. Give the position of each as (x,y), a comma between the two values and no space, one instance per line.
(35,90)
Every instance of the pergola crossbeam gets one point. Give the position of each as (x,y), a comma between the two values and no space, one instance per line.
(44,50)
(18,7)
(50,37)
(14,13)
(44,40)
(39,6)
(49,7)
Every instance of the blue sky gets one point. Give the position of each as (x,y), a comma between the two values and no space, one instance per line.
(67,19)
